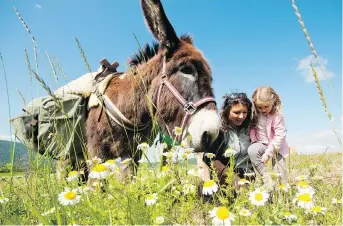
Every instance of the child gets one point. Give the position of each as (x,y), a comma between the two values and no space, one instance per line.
(268,135)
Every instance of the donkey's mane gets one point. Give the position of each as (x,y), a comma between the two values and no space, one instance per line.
(145,54)
(150,50)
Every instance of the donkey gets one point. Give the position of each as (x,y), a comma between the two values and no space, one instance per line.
(170,80)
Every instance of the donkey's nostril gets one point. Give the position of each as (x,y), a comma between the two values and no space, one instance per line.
(206,141)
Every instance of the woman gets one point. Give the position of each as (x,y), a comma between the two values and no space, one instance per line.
(234,137)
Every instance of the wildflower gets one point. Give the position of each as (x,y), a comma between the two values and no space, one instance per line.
(159,220)
(73,175)
(314,166)
(192,172)
(301,177)
(151,199)
(143,146)
(177,131)
(304,186)
(125,161)
(188,188)
(229,152)
(289,217)
(3,200)
(317,209)
(94,161)
(336,201)
(249,174)
(258,197)
(283,187)
(169,154)
(111,164)
(275,174)
(51,211)
(164,170)
(304,199)
(69,197)
(244,212)
(210,155)
(221,216)
(209,187)
(84,190)
(99,171)
(243,181)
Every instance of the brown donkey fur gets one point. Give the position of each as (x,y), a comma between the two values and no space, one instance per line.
(133,93)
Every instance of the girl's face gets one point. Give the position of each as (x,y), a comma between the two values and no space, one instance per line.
(265,109)
(238,114)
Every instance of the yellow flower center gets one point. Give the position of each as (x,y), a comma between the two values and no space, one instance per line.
(99,168)
(287,214)
(70,195)
(72,173)
(302,183)
(243,180)
(150,197)
(111,161)
(222,213)
(258,197)
(281,186)
(304,197)
(316,209)
(165,168)
(209,183)
(184,155)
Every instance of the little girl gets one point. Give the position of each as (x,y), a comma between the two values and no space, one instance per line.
(268,135)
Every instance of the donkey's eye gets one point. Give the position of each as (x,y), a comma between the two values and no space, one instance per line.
(187,70)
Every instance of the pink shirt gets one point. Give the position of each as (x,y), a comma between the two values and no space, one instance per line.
(276,133)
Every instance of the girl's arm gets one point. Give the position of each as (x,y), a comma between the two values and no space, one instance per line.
(279,135)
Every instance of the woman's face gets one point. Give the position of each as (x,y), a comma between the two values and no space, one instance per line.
(238,114)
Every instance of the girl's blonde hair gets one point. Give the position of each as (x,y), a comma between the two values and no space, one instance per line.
(266,95)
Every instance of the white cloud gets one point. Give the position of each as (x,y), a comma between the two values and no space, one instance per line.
(38,6)
(305,69)
(6,137)
(315,142)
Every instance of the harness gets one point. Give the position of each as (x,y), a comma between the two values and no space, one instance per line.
(189,107)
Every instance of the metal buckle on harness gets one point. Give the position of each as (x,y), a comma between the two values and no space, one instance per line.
(189,108)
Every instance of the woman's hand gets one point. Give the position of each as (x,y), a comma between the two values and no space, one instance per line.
(265,158)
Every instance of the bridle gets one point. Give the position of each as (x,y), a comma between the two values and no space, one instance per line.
(189,107)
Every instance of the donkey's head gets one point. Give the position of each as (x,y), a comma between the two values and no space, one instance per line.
(180,80)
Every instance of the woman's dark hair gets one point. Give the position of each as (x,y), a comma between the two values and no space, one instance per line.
(230,100)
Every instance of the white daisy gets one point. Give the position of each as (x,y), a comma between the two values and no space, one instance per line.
(336,201)
(229,152)
(69,197)
(301,177)
(3,200)
(159,220)
(188,189)
(221,216)
(258,197)
(51,211)
(304,199)
(243,181)
(177,131)
(283,187)
(151,199)
(316,210)
(192,172)
(210,155)
(209,187)
(304,186)
(252,174)
(164,170)
(289,217)
(143,146)
(244,212)
(94,161)
(111,165)
(99,171)
(73,175)
(274,174)
(126,161)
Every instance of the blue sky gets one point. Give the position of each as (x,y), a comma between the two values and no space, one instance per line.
(247,43)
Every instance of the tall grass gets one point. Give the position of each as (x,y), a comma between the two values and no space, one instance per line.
(168,195)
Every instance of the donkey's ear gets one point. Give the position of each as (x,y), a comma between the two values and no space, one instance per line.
(158,23)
